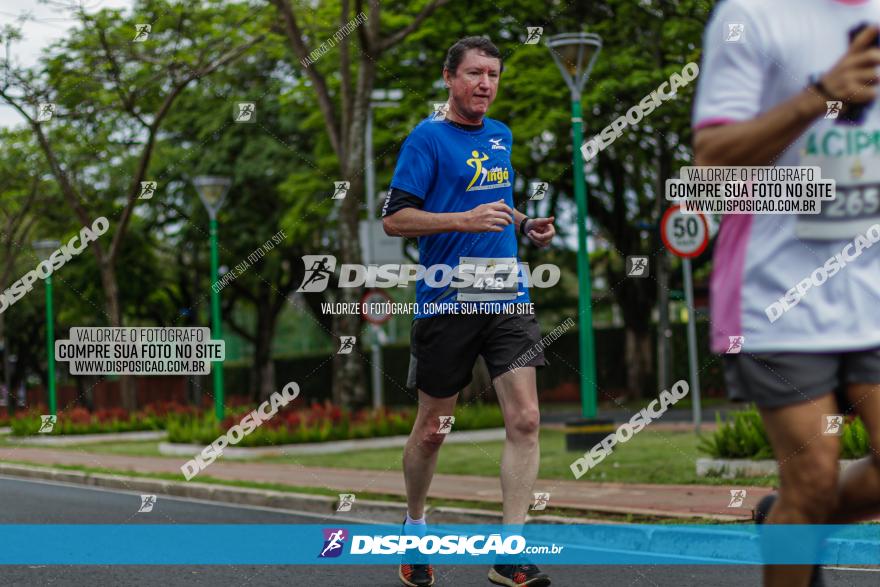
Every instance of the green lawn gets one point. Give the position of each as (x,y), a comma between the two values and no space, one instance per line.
(649,457)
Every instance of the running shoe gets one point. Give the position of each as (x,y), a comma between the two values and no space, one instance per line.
(761,512)
(416,575)
(419,574)
(518,576)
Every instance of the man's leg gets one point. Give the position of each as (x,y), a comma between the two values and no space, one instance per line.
(517,393)
(422,447)
(808,475)
(859,495)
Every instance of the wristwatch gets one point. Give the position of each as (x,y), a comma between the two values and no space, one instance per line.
(522,225)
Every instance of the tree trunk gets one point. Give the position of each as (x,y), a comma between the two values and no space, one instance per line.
(128,391)
(349,384)
(638,358)
(7,366)
(263,369)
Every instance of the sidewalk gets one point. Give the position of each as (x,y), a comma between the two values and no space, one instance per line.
(672,501)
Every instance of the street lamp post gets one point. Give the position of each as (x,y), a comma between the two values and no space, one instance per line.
(378,99)
(212,191)
(44,249)
(574,55)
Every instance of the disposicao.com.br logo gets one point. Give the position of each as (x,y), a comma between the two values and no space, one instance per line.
(431,544)
(479,273)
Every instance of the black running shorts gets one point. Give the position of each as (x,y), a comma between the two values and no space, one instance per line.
(444,349)
(774,380)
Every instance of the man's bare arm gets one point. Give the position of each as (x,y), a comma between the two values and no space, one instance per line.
(761,140)
(412,222)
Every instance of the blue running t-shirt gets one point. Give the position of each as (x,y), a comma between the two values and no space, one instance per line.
(456,170)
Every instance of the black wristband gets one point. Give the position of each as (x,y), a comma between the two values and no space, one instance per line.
(522,225)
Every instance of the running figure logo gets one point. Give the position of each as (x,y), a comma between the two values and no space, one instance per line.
(333,543)
(538,190)
(735,32)
(47,424)
(245,112)
(636,266)
(319,268)
(476,161)
(148,188)
(346,500)
(736,344)
(541,501)
(346,345)
(340,189)
(440,110)
(142,33)
(833,425)
(737,497)
(833,109)
(446,423)
(147,503)
(45,111)
(533,34)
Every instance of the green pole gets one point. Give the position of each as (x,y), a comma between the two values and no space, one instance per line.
(50,344)
(216,323)
(585,313)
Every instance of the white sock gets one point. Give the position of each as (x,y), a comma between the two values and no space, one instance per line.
(416,527)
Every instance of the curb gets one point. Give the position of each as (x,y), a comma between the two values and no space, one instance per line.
(71,439)
(378,511)
(724,547)
(731,468)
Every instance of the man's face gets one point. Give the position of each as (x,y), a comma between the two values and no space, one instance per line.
(474,85)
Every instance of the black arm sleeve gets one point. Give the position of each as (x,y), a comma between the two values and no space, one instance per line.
(398,200)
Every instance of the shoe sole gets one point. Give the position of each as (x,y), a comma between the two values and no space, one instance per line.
(502,580)
(408,583)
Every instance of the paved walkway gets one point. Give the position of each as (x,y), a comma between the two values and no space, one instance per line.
(682,501)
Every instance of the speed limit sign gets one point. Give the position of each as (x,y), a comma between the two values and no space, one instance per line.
(376,307)
(685,235)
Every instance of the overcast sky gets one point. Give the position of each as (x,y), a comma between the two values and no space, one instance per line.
(43,24)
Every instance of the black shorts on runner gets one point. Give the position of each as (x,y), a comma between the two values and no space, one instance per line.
(773,380)
(444,349)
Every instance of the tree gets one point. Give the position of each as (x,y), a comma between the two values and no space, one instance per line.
(117,92)
(21,188)
(344,126)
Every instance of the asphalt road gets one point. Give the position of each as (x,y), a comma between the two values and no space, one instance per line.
(40,502)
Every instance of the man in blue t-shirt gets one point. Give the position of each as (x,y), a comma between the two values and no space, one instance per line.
(453,189)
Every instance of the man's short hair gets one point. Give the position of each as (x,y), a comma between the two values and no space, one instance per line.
(456,53)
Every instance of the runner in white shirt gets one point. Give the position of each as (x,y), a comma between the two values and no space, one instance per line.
(769,69)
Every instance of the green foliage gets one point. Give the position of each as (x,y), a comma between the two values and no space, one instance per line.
(79,421)
(743,437)
(854,442)
(324,423)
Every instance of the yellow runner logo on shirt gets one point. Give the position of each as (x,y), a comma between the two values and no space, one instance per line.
(496,177)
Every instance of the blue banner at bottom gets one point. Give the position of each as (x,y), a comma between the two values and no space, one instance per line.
(576,544)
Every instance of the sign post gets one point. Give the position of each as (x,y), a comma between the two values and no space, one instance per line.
(375,309)
(686,236)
